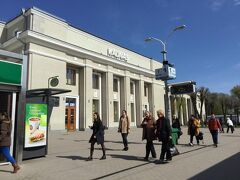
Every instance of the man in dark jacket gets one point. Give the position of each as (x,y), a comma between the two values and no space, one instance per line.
(164,135)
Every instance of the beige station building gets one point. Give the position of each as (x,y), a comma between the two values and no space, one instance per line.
(102,76)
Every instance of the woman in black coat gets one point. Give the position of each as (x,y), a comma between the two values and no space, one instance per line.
(5,140)
(97,135)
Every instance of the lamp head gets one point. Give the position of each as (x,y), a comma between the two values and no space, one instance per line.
(179,27)
(148,39)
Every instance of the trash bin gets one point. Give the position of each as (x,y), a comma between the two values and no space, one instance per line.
(174,135)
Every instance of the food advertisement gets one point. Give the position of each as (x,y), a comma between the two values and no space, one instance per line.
(35,125)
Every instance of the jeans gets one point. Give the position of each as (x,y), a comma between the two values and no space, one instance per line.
(125,141)
(6,153)
(214,136)
(191,138)
(231,127)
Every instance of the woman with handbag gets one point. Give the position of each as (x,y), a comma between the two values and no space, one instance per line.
(193,129)
(5,140)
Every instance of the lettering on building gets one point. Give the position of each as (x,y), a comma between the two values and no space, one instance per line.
(117,54)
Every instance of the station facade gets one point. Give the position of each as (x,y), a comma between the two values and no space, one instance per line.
(102,76)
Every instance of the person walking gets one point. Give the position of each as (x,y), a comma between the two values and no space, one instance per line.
(164,135)
(193,129)
(148,125)
(124,128)
(214,125)
(5,140)
(97,136)
(230,125)
(176,124)
(222,125)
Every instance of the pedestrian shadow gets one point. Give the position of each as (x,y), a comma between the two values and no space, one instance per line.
(230,135)
(108,149)
(120,142)
(127,157)
(219,170)
(6,171)
(195,149)
(79,140)
(73,157)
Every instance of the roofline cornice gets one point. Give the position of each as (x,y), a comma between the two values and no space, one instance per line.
(41,39)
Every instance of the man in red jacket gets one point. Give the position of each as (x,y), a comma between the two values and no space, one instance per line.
(214,125)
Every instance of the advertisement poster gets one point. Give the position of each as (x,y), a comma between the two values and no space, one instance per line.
(35,125)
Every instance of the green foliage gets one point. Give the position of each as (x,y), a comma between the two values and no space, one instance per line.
(235,91)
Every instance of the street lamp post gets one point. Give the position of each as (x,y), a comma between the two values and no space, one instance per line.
(165,64)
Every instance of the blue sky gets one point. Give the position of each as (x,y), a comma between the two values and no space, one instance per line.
(207,51)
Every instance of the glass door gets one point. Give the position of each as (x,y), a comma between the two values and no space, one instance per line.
(70,114)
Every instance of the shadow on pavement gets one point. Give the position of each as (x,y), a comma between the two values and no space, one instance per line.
(79,140)
(120,142)
(230,135)
(127,157)
(6,171)
(107,149)
(227,169)
(73,157)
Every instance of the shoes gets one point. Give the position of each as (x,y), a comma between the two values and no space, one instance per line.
(160,161)
(190,144)
(169,159)
(145,158)
(154,156)
(89,158)
(125,149)
(103,157)
(215,145)
(15,168)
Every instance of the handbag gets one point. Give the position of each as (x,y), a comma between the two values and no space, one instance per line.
(200,135)
(174,151)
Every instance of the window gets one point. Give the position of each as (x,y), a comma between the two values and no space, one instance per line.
(132,112)
(145,90)
(95,106)
(71,76)
(131,87)
(95,81)
(116,111)
(115,85)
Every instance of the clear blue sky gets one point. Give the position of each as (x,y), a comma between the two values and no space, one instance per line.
(208,51)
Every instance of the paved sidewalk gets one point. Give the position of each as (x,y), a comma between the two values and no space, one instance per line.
(68,153)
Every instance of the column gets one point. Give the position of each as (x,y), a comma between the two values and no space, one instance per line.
(86,98)
(139,102)
(107,99)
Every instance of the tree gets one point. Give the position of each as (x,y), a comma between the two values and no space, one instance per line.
(202,96)
(225,103)
(193,97)
(213,104)
(235,91)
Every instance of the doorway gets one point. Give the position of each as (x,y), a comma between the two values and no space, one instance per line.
(70,114)
(8,105)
